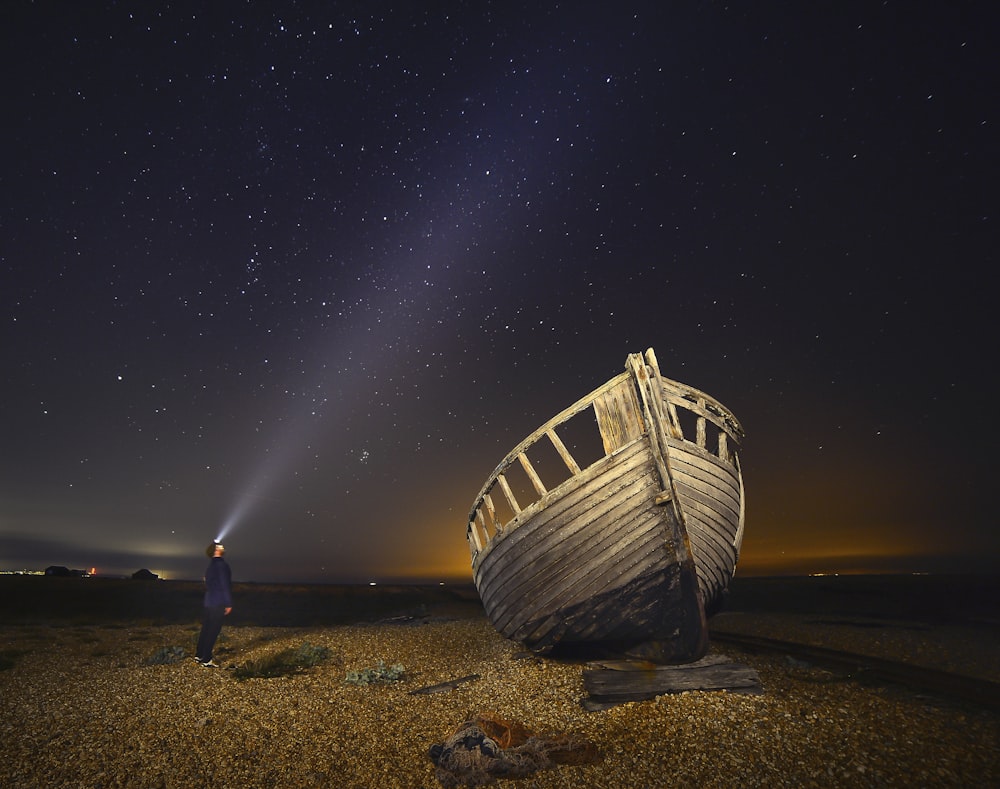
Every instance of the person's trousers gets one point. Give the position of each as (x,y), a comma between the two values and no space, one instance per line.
(211,626)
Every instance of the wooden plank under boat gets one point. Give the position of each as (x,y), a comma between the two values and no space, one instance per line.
(628,547)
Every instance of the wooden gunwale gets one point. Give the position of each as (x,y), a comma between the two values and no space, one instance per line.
(693,400)
(563,416)
(558,500)
(580,405)
(704,405)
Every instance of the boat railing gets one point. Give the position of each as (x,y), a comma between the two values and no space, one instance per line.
(693,416)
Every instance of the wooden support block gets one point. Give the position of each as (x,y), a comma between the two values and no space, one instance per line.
(623,681)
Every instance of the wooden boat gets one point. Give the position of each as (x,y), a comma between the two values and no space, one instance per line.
(628,546)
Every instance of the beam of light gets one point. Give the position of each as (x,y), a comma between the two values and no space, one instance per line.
(264,480)
(235,516)
(354,359)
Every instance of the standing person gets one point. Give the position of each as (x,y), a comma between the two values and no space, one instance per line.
(218,603)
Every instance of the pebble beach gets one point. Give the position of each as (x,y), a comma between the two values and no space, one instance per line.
(81,705)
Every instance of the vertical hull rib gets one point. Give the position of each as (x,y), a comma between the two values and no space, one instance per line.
(630,550)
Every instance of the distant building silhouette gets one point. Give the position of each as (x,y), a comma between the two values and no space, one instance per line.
(144,575)
(64,572)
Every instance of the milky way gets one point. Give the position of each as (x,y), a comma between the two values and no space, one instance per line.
(312,271)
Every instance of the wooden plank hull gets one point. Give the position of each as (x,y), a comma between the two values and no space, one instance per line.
(711,496)
(597,564)
(625,552)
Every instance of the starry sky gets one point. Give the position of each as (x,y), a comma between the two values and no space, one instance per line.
(307,271)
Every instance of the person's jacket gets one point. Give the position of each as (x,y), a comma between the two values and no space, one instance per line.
(218,583)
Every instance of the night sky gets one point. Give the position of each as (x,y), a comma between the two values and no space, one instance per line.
(314,268)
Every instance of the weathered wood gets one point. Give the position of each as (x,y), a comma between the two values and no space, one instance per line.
(724,455)
(475,535)
(568,459)
(674,421)
(623,681)
(560,418)
(647,665)
(536,481)
(508,493)
(698,403)
(443,687)
(570,561)
(666,411)
(618,416)
(652,435)
(492,512)
(628,549)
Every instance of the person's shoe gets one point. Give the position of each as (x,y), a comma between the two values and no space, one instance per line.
(209,664)
(197,660)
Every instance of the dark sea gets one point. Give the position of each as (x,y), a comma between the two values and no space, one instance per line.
(48,600)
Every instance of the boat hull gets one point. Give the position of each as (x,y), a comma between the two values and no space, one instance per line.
(711,497)
(630,551)
(604,566)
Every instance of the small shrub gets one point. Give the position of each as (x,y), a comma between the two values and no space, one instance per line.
(381,673)
(166,655)
(308,655)
(279,664)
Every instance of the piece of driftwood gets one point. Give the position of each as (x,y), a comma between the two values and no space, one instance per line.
(611,683)
(443,687)
(625,531)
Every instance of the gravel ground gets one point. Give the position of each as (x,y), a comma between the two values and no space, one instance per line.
(80,707)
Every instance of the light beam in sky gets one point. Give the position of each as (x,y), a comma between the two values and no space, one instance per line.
(401,298)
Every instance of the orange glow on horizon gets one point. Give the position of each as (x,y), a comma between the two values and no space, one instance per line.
(856,562)
(427,574)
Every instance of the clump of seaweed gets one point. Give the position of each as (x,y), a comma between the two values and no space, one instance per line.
(166,655)
(280,664)
(380,673)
